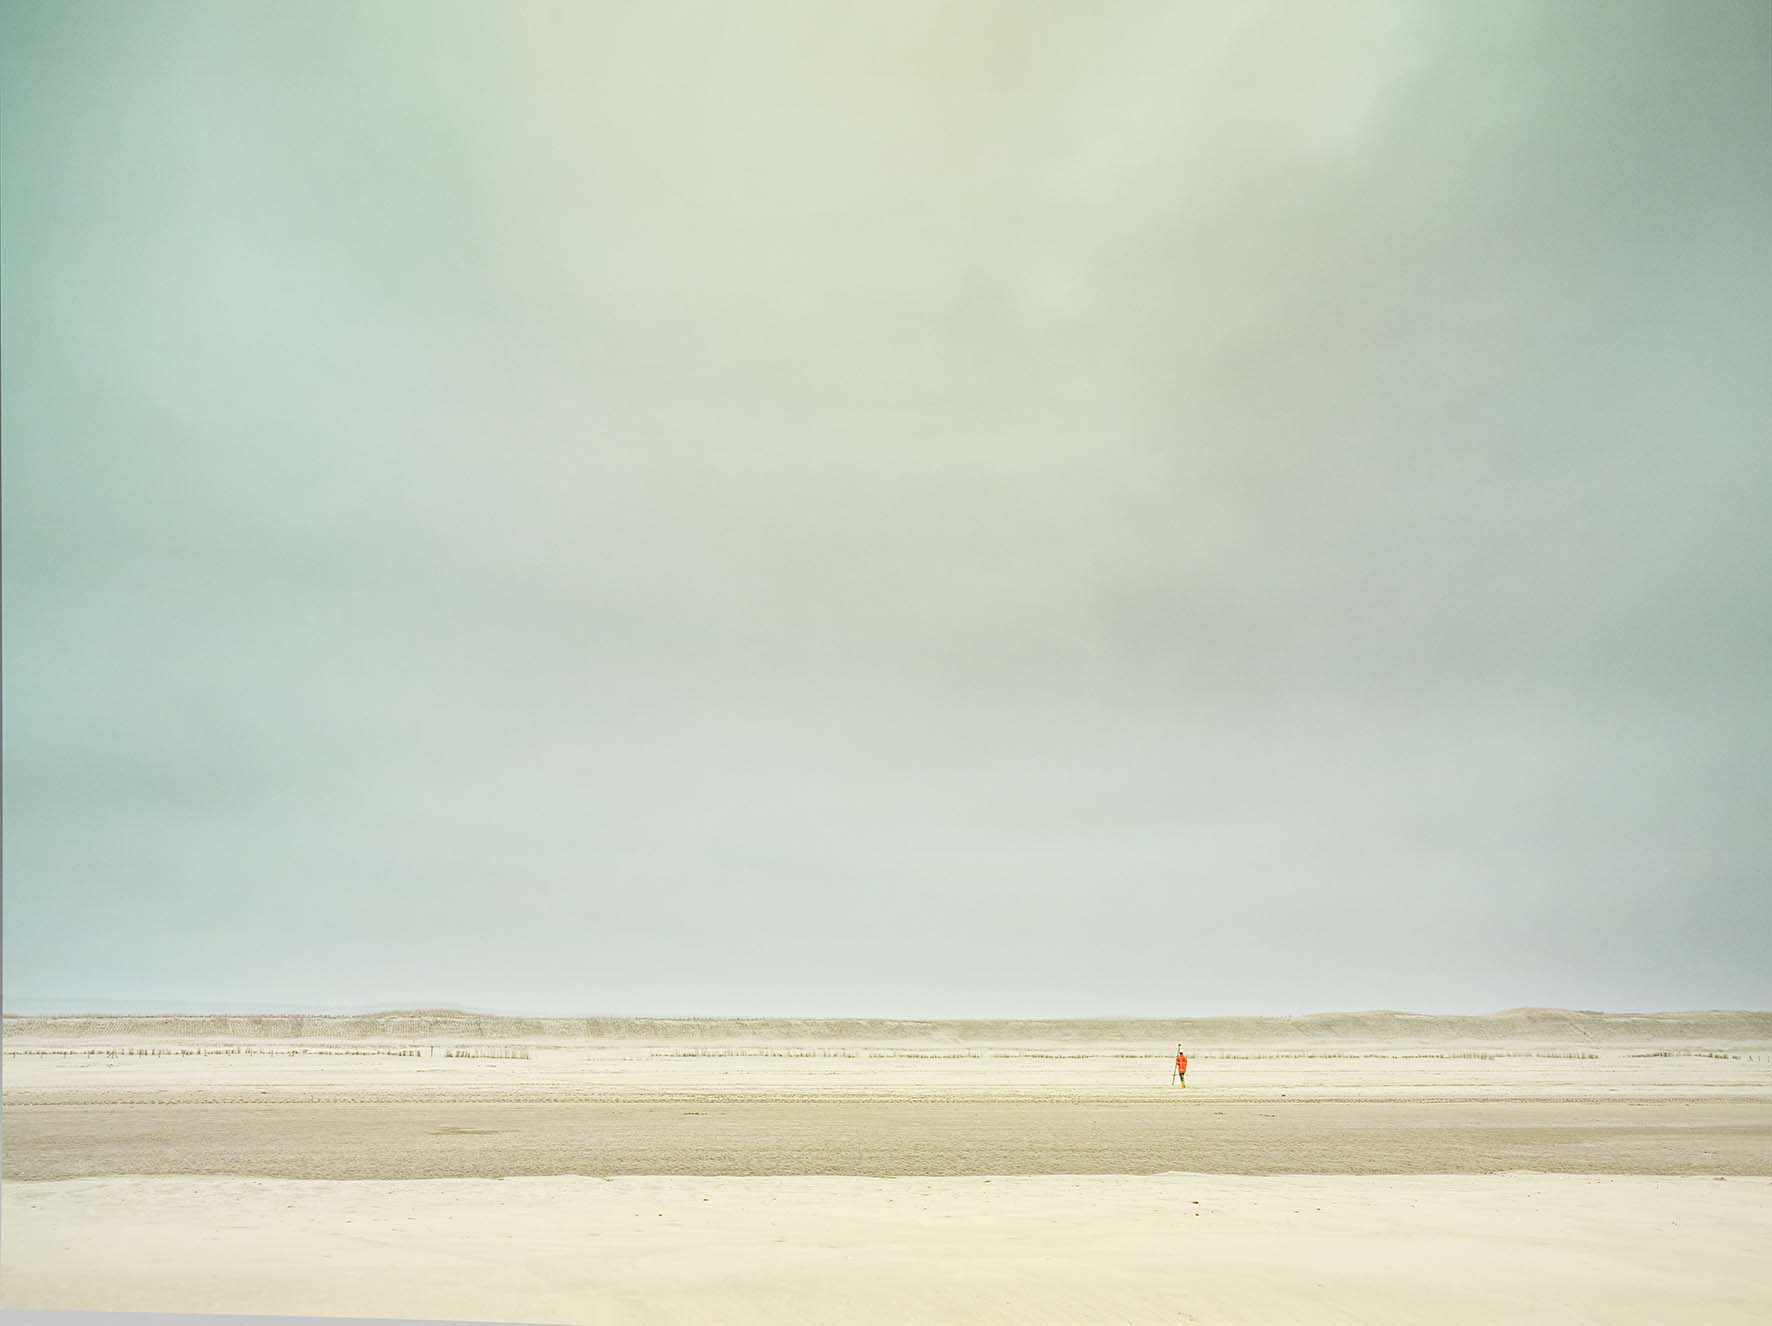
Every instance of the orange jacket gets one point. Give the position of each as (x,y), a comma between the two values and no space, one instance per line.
(1181,1063)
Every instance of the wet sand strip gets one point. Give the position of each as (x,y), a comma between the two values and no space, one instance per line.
(884,1138)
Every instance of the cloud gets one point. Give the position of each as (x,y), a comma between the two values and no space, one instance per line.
(936,509)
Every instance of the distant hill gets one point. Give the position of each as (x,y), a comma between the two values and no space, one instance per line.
(1562,1026)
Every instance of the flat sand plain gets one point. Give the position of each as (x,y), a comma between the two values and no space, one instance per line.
(1544,1166)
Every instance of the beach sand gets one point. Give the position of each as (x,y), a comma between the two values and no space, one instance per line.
(892,1172)
(1161,1248)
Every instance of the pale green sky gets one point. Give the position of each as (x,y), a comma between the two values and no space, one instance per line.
(975,509)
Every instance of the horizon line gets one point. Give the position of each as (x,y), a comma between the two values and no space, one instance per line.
(387,1010)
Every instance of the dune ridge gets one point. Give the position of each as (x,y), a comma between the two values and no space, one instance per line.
(1519,1024)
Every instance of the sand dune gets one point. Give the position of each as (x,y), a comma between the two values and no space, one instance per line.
(1520,1024)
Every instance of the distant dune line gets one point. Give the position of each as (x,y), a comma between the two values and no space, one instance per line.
(1526,1024)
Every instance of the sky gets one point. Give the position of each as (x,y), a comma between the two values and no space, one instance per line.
(906,509)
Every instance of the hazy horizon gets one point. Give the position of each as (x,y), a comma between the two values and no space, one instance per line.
(951,510)
(114,1008)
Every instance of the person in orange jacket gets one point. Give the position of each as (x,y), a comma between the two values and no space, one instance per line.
(1180,1066)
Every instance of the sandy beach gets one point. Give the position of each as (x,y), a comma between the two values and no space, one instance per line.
(1164,1248)
(1540,1168)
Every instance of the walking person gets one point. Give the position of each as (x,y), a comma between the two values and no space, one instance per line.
(1180,1066)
